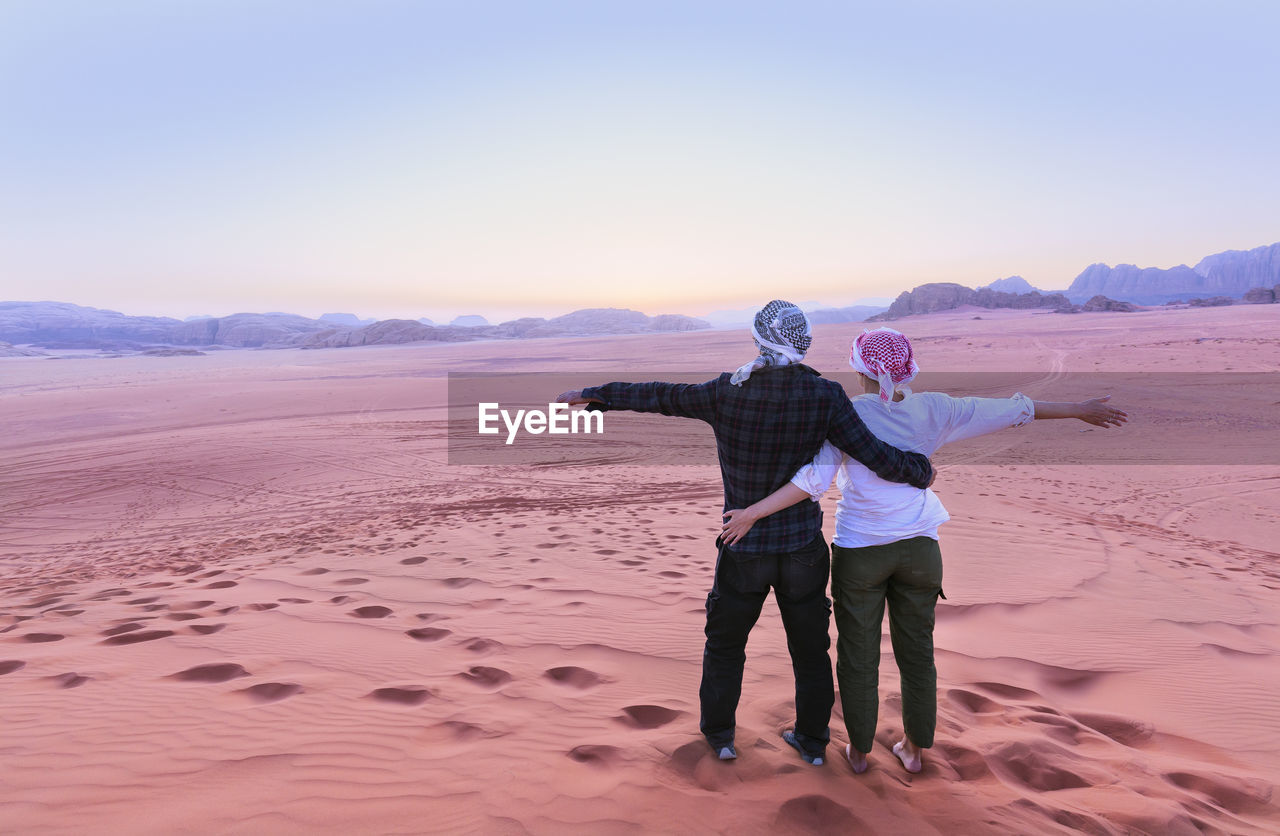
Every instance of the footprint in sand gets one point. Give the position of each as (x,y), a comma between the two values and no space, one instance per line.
(817,814)
(183,616)
(68,612)
(371,612)
(315,572)
(271,691)
(340,599)
(217,672)
(220,585)
(413,561)
(401,696)
(69,680)
(486,677)
(10,666)
(648,716)
(295,600)
(596,754)
(974,703)
(969,764)
(43,637)
(262,607)
(574,677)
(135,638)
(122,628)
(351,581)
(206,629)
(482,645)
(427,634)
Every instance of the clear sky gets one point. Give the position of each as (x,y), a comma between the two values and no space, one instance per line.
(434,158)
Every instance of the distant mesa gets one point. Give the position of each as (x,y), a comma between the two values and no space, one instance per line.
(348,319)
(1012,284)
(60,325)
(588,322)
(423,320)
(943,296)
(469,321)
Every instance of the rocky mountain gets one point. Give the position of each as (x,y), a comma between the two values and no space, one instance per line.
(1226,272)
(1102,303)
(1231,273)
(942,296)
(63,325)
(588,322)
(1012,284)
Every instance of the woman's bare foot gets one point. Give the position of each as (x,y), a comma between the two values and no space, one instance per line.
(909,754)
(857,760)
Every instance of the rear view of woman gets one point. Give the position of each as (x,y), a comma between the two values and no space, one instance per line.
(885,550)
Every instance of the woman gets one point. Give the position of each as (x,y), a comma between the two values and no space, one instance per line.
(885,550)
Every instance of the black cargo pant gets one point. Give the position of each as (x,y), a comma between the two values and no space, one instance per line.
(799,583)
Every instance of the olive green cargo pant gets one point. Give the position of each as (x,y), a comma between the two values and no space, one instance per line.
(908,576)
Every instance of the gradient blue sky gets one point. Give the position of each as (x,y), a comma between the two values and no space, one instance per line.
(430,158)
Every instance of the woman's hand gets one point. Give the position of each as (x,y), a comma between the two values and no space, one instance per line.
(1096,411)
(736,525)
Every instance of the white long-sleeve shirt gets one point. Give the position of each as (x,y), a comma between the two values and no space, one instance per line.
(871,511)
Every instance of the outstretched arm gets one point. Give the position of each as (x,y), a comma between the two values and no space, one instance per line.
(684,400)
(1094,411)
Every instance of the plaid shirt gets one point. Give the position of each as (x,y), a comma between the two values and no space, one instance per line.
(767,429)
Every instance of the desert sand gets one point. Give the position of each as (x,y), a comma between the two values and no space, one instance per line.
(247,593)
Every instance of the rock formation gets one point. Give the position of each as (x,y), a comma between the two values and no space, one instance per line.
(942,296)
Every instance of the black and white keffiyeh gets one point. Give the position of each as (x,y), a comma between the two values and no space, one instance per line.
(781,331)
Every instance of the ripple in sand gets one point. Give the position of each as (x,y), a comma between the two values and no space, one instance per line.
(11,665)
(648,716)
(217,672)
(401,696)
(486,676)
(69,680)
(134,638)
(574,677)
(427,634)
(371,612)
(1120,729)
(123,628)
(271,691)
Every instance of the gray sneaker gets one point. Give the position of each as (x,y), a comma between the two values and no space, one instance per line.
(790,737)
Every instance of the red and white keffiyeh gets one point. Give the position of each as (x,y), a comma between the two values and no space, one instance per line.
(885,356)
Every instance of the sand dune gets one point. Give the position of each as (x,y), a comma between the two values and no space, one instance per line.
(246,593)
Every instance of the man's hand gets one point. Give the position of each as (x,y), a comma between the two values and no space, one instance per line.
(1096,411)
(736,525)
(574,398)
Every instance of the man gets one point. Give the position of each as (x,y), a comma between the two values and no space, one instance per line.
(770,418)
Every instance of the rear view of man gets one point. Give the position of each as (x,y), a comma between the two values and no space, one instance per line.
(770,417)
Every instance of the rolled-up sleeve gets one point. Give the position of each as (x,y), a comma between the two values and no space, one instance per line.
(816,477)
(972,417)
